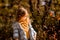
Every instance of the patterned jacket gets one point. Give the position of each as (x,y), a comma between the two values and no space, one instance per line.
(19,33)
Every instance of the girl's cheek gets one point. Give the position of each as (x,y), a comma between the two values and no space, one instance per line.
(24,17)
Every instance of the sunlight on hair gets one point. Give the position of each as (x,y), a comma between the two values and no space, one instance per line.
(22,8)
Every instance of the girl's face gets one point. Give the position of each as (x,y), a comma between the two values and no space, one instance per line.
(24,17)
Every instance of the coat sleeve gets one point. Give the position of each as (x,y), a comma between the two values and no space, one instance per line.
(15,31)
(33,32)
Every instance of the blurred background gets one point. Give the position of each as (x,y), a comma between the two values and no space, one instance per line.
(45,16)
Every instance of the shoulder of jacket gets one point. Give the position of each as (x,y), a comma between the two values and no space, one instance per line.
(15,24)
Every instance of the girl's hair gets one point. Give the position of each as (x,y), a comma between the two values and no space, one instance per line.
(20,13)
